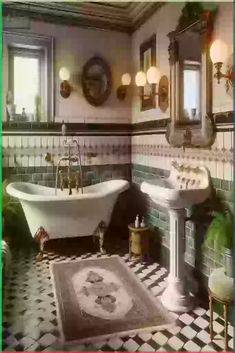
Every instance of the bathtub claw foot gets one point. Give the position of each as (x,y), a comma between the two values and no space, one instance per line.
(41,237)
(101,231)
(39,256)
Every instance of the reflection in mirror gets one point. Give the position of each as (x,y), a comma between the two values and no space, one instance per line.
(190,67)
(191,90)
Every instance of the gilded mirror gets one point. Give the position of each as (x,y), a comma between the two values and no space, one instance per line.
(191,123)
(96,81)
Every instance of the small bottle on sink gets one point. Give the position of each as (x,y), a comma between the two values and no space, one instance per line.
(137,222)
(142,224)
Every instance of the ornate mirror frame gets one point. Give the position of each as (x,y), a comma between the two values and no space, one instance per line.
(199,133)
(97,61)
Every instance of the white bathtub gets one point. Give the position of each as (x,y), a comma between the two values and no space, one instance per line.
(63,215)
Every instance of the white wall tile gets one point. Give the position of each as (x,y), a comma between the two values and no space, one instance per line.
(227,140)
(227,171)
(5,141)
(31,161)
(220,170)
(25,142)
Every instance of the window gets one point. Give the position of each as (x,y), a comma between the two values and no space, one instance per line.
(26,71)
(30,78)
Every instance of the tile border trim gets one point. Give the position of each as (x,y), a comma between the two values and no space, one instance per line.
(224,121)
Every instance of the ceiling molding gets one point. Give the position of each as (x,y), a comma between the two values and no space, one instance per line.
(118,16)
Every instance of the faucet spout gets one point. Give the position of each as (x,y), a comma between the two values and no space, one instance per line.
(71,159)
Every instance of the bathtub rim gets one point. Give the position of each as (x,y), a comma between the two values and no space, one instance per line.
(119,186)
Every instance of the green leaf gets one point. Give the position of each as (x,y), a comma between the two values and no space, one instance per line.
(219,234)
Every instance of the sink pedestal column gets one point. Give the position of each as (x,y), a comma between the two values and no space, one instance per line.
(176,296)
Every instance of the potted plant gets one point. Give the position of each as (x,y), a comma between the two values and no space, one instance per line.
(8,209)
(14,225)
(219,236)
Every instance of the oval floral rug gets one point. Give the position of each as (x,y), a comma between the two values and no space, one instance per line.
(101,298)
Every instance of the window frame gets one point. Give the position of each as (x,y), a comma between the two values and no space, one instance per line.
(16,42)
(27,53)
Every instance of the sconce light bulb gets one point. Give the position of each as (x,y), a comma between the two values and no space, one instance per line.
(153,75)
(126,79)
(64,74)
(140,79)
(218,51)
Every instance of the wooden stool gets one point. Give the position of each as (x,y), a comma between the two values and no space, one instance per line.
(138,241)
(225,304)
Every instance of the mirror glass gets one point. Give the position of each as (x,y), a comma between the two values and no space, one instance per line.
(191,90)
(96,81)
(190,69)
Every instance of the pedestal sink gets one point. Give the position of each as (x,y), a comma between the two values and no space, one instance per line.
(184,187)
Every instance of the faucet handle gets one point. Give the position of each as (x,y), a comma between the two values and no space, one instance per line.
(181,168)
(175,164)
(61,180)
(77,178)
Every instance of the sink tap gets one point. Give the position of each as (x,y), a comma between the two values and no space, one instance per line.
(77,181)
(187,182)
(69,182)
(175,165)
(61,180)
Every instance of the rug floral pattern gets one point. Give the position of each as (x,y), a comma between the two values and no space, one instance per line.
(101,294)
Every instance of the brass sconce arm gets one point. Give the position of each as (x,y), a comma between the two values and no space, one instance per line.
(162,92)
(218,75)
(65,89)
(229,76)
(122,92)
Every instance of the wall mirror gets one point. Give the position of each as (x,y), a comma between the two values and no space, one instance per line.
(147,59)
(191,123)
(96,81)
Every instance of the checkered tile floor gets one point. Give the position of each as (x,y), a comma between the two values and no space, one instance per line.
(30,317)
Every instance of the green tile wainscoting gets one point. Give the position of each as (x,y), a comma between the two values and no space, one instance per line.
(46,175)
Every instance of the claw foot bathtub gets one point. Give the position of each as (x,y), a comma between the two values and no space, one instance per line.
(51,216)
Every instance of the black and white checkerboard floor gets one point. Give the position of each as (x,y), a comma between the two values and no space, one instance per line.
(30,317)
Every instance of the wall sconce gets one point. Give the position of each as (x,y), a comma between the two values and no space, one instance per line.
(141,79)
(65,88)
(122,90)
(218,54)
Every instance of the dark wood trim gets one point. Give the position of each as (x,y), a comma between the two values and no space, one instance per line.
(224,118)
(129,25)
(105,129)
(76,129)
(148,13)
(150,125)
(43,133)
(188,123)
(34,14)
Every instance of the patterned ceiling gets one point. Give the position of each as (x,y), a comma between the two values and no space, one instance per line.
(120,16)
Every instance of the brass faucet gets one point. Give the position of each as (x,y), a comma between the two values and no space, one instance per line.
(77,181)
(177,166)
(69,182)
(71,159)
(61,180)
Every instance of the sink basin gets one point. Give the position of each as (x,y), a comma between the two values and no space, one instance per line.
(186,186)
